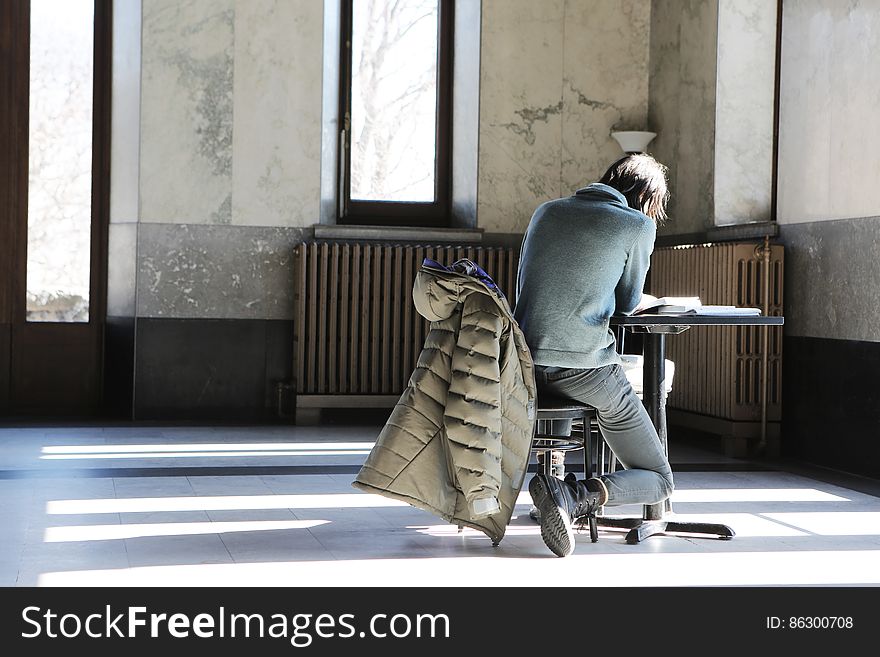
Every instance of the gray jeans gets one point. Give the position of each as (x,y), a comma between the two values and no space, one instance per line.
(625,426)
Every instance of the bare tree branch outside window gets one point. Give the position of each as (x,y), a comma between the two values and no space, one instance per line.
(394,100)
(60,160)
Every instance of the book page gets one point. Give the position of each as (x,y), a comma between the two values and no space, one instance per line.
(726,310)
(652,304)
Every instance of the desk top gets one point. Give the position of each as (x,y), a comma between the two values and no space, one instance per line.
(697,320)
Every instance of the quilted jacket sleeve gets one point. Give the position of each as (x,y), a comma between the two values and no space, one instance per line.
(473,407)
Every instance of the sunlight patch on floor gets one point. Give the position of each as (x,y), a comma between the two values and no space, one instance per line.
(792,568)
(832,523)
(218,503)
(196,450)
(139,530)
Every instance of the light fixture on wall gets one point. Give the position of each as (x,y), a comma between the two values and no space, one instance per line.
(633,141)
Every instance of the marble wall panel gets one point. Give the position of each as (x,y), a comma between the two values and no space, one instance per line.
(222,272)
(663,95)
(330,67)
(682,107)
(466,113)
(555,78)
(805,106)
(276,142)
(745,92)
(125,110)
(605,83)
(186,111)
(695,167)
(829,154)
(121,270)
(831,279)
(855,89)
(520,110)
(829,92)
(124,159)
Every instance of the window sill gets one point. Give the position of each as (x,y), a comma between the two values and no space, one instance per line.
(399,234)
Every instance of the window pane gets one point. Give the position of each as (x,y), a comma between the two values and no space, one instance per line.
(60,160)
(393,100)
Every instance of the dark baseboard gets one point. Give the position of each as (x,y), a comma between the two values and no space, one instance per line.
(831,404)
(211,369)
(118,385)
(5,354)
(218,371)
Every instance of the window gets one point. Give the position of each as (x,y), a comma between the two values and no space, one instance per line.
(395,94)
(54,203)
(59,199)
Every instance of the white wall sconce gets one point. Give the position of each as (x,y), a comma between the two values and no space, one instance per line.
(633,141)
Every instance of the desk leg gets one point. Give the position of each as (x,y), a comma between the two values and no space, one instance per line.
(654,399)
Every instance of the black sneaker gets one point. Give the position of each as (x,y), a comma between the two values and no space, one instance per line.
(589,495)
(549,496)
(558,471)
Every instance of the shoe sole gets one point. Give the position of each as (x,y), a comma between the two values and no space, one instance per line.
(556,529)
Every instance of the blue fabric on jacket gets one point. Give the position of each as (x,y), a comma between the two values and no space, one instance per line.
(583,259)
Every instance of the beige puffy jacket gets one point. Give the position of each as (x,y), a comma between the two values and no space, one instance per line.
(458,439)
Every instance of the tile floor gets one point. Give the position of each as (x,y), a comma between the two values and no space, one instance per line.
(273,506)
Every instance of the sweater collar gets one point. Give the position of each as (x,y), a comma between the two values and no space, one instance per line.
(600,189)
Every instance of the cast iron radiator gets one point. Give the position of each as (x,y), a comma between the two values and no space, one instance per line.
(719,370)
(357,335)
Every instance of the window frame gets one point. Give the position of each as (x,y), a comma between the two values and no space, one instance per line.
(399,213)
(29,363)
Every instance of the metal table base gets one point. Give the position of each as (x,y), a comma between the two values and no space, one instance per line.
(655,329)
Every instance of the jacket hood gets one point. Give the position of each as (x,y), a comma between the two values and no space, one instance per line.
(438,290)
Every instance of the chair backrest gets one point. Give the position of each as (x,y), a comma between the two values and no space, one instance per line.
(634,367)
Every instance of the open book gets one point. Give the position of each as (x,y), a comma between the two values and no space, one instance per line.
(651,305)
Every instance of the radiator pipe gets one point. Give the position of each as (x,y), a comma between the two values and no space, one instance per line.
(764,253)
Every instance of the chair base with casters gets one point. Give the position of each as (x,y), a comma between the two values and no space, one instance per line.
(582,418)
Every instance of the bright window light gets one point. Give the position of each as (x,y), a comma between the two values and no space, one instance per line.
(218,503)
(139,530)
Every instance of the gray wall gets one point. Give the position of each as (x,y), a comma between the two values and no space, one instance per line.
(230,147)
(217,163)
(711,103)
(556,77)
(829,164)
(221,156)
(682,107)
(829,216)
(219,125)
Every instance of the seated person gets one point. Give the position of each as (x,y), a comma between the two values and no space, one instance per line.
(584,258)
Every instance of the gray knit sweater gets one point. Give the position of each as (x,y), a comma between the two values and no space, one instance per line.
(583,259)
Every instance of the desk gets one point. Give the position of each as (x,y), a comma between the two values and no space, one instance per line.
(656,328)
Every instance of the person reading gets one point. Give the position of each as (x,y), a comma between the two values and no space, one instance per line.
(584,258)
